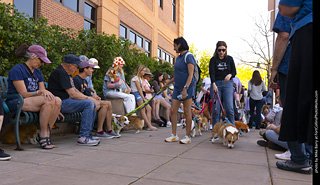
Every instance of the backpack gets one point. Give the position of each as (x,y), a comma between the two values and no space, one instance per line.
(197,71)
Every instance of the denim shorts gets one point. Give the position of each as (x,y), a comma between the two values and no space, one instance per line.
(137,96)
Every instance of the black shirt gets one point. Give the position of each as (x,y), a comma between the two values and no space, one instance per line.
(82,85)
(220,68)
(59,80)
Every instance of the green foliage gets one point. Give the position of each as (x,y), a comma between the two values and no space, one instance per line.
(16,29)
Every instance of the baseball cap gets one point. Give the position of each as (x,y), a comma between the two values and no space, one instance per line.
(83,58)
(87,64)
(73,59)
(94,62)
(40,52)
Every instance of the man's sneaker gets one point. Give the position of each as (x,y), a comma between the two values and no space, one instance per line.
(115,135)
(103,136)
(87,141)
(292,166)
(185,140)
(172,138)
(284,156)
(4,156)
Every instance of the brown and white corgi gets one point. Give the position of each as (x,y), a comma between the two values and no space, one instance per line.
(227,132)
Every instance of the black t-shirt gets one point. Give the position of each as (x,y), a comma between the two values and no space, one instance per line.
(59,80)
(82,85)
(220,68)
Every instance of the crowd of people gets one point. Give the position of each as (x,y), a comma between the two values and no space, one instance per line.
(288,124)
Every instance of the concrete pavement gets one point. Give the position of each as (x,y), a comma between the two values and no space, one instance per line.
(145,158)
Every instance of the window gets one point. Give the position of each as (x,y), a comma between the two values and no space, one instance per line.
(135,38)
(160,3)
(85,8)
(132,37)
(73,4)
(123,31)
(89,17)
(174,10)
(26,6)
(165,56)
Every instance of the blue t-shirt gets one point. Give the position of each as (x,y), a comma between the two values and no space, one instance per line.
(303,17)
(283,24)
(19,72)
(181,72)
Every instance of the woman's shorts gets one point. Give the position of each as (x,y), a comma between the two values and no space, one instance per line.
(190,92)
(137,96)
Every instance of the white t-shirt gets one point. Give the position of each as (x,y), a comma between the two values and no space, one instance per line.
(133,84)
(256,91)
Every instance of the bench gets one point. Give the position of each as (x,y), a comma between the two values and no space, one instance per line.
(24,117)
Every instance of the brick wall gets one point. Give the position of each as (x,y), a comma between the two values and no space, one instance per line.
(165,15)
(166,45)
(60,15)
(134,22)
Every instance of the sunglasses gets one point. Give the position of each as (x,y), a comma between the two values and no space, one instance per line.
(221,50)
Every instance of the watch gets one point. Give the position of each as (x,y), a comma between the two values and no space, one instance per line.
(186,87)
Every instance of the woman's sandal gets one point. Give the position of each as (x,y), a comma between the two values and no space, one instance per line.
(44,142)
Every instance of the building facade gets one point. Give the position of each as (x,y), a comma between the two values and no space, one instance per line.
(151,24)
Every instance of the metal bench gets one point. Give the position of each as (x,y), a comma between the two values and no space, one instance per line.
(23,117)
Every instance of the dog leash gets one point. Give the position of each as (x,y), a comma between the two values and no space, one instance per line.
(144,104)
(216,97)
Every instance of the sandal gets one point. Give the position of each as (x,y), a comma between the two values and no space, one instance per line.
(44,142)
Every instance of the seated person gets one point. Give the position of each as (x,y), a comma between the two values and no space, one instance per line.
(137,90)
(115,90)
(105,111)
(27,80)
(157,85)
(61,84)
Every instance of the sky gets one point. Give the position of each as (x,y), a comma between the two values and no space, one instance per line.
(208,21)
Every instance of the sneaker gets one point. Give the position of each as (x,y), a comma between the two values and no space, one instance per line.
(172,138)
(169,124)
(94,137)
(115,135)
(87,141)
(284,156)
(103,136)
(180,111)
(292,166)
(185,140)
(4,156)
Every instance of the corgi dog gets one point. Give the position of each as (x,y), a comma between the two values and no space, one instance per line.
(136,122)
(27,134)
(193,128)
(119,121)
(242,127)
(203,122)
(227,132)
(113,75)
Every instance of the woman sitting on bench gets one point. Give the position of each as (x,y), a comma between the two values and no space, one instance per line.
(27,80)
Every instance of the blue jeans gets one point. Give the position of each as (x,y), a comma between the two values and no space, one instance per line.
(225,90)
(88,113)
(258,105)
(300,152)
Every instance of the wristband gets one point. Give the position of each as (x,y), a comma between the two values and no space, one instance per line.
(33,93)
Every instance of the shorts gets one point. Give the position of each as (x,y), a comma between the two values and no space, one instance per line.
(137,96)
(190,92)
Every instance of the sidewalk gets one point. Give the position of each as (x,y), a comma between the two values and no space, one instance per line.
(145,158)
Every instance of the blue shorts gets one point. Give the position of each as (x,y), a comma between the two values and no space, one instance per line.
(190,92)
(137,96)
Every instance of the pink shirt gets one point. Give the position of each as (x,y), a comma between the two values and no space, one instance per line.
(147,87)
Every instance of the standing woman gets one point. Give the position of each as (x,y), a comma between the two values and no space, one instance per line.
(222,70)
(27,80)
(255,88)
(184,85)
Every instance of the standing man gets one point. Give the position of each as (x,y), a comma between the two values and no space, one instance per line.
(297,123)
(61,84)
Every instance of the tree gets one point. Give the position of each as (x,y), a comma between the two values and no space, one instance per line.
(260,46)
(244,73)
